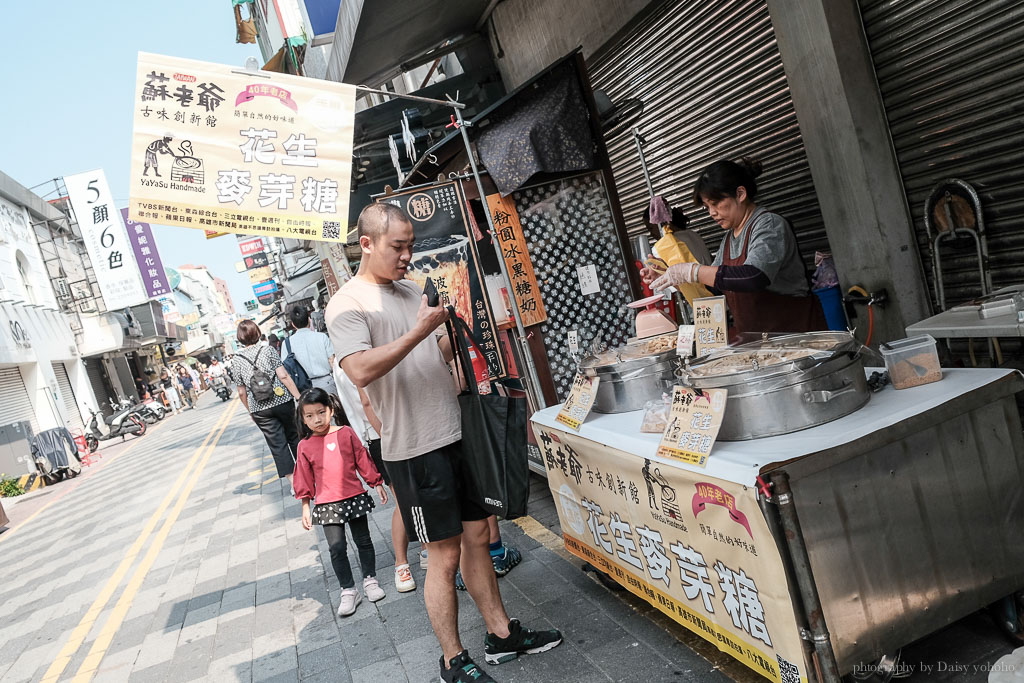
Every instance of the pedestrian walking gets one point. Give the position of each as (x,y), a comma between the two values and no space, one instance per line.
(267,392)
(197,383)
(170,388)
(188,389)
(386,335)
(331,460)
(311,349)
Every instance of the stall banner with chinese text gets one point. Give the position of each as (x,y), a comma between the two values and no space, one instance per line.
(445,251)
(695,418)
(218,148)
(710,324)
(106,240)
(580,400)
(509,234)
(147,257)
(695,547)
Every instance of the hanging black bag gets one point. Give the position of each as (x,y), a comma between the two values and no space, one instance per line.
(493,436)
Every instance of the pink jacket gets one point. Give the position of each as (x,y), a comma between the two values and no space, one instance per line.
(325,469)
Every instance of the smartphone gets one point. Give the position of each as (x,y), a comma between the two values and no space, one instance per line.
(433,296)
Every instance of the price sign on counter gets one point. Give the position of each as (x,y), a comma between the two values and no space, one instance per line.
(710,322)
(579,401)
(693,424)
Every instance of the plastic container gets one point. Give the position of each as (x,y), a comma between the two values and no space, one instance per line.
(831,299)
(912,362)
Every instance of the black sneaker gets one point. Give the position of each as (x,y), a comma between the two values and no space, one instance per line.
(463,670)
(500,650)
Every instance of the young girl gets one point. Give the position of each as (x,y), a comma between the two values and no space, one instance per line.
(329,456)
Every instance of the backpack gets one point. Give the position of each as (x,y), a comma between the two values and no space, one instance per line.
(260,383)
(295,369)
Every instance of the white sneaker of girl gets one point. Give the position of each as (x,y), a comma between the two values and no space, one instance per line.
(350,598)
(372,589)
(403,579)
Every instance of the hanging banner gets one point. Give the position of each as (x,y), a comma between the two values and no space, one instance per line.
(220,149)
(261,289)
(257,275)
(251,245)
(257,260)
(695,547)
(106,240)
(147,257)
(517,259)
(170,309)
(445,251)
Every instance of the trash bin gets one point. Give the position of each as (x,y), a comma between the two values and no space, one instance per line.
(832,303)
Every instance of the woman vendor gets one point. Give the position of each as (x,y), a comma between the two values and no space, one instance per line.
(758,266)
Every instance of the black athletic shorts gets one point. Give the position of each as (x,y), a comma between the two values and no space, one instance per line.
(373,445)
(429,489)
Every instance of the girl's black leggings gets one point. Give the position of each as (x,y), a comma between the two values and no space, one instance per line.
(335,534)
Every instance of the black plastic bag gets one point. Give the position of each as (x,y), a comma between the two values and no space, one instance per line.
(493,437)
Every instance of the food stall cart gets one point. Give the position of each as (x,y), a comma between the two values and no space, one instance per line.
(806,553)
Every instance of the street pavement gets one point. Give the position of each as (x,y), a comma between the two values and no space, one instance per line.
(179,556)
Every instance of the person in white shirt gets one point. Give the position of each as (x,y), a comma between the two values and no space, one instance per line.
(312,349)
(217,371)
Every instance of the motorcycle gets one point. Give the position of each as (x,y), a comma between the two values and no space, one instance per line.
(220,388)
(150,410)
(122,423)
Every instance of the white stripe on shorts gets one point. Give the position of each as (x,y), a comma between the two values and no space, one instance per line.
(420,524)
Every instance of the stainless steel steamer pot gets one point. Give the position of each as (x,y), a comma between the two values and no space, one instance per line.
(628,383)
(787,397)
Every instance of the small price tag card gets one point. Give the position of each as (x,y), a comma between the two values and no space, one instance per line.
(693,424)
(710,323)
(684,341)
(579,401)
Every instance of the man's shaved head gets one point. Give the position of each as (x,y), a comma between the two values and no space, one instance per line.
(376,219)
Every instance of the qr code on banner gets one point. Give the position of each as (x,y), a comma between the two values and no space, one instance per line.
(788,672)
(331,230)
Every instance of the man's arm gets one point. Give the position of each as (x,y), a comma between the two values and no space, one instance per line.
(371,415)
(242,396)
(287,381)
(364,367)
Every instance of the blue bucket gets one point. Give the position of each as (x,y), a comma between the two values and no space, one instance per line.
(832,303)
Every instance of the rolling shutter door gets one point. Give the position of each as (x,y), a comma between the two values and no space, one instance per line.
(67,394)
(711,80)
(16,405)
(100,385)
(950,74)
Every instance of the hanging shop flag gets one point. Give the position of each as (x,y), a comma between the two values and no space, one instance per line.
(446,252)
(105,240)
(517,259)
(147,256)
(221,149)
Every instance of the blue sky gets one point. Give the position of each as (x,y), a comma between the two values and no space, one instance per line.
(68,87)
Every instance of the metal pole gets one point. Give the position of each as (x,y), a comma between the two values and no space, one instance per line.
(797,549)
(531,368)
(639,140)
(416,98)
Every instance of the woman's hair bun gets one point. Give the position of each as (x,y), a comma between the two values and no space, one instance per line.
(751,165)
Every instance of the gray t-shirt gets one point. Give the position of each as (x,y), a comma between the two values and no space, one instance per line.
(312,349)
(416,401)
(772,249)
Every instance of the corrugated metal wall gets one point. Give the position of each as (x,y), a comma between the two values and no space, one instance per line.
(950,73)
(712,83)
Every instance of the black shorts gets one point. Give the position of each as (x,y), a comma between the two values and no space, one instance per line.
(429,489)
(373,446)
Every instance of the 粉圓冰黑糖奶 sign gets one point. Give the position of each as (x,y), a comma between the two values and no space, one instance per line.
(509,234)
(222,149)
(695,547)
(106,240)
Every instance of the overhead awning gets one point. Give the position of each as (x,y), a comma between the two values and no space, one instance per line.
(371,40)
(302,287)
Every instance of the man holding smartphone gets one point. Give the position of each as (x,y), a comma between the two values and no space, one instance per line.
(386,335)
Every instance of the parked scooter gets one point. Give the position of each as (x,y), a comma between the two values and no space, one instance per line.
(122,423)
(150,410)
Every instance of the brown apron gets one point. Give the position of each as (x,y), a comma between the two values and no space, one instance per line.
(766,311)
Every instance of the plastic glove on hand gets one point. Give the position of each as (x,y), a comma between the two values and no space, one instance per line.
(679,274)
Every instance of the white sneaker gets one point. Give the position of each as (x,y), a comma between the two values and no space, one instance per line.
(372,589)
(423,560)
(350,598)
(403,579)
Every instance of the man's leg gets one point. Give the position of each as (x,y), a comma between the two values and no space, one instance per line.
(439,594)
(399,536)
(478,574)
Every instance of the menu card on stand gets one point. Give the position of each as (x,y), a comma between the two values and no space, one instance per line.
(710,322)
(693,423)
(579,401)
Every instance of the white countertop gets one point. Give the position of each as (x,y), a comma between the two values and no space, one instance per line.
(963,322)
(741,461)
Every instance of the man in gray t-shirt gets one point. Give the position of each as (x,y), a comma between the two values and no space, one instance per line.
(385,333)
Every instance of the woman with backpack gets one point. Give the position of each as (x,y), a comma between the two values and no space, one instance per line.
(267,392)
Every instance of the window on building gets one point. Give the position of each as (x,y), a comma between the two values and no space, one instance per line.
(25,273)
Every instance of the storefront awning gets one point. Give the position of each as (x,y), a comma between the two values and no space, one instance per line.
(372,40)
(302,287)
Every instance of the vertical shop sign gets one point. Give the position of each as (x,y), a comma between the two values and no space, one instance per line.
(509,234)
(250,246)
(105,240)
(219,149)
(329,277)
(446,252)
(147,256)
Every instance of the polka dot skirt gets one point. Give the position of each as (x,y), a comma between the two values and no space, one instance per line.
(342,511)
